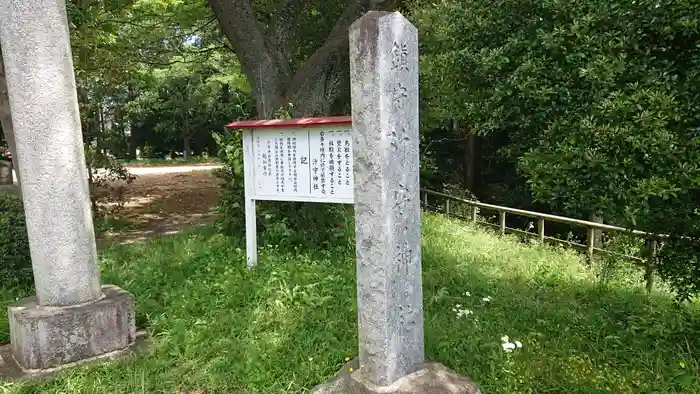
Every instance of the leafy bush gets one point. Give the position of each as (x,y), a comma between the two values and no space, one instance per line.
(232,218)
(617,268)
(107,199)
(15,259)
(597,99)
(678,263)
(279,223)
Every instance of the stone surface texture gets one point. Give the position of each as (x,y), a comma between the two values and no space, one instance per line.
(11,371)
(45,337)
(42,92)
(430,378)
(384,77)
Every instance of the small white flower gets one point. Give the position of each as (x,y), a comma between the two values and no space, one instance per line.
(459,306)
(486,299)
(508,347)
(518,344)
(505,338)
(463,313)
(468,294)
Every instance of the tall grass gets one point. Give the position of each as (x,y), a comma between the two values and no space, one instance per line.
(291,323)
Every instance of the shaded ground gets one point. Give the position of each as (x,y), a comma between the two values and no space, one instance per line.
(163,200)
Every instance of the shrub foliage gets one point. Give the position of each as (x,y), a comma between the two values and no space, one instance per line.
(597,99)
(15,259)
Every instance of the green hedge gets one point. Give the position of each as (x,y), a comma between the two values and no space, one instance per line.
(15,260)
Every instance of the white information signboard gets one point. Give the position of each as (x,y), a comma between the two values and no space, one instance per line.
(302,164)
(307,159)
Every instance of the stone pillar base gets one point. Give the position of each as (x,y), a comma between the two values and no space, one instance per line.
(44,337)
(433,378)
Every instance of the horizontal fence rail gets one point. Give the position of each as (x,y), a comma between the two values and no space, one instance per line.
(646,260)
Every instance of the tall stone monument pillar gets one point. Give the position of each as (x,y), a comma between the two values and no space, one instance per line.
(72,317)
(384,74)
(384,86)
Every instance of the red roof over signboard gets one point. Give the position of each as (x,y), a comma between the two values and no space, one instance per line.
(287,123)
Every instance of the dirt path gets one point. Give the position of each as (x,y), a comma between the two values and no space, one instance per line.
(163,200)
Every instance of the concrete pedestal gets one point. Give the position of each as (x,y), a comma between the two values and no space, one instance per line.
(432,378)
(45,337)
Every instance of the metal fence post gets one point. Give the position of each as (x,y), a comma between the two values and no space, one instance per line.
(540,229)
(503,221)
(649,255)
(590,242)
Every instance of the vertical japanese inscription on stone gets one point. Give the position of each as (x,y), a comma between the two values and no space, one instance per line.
(400,93)
(387,211)
(399,56)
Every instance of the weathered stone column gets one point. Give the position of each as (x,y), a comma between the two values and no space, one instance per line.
(6,122)
(384,74)
(384,80)
(72,317)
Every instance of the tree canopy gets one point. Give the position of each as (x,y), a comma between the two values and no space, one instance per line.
(597,100)
(586,109)
(294,51)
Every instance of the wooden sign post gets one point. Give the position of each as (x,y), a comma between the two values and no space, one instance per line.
(305,159)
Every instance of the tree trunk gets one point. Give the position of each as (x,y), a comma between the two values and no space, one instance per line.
(186,148)
(469,159)
(133,142)
(133,129)
(93,191)
(318,84)
(100,128)
(6,121)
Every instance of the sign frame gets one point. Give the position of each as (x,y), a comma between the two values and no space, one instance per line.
(251,195)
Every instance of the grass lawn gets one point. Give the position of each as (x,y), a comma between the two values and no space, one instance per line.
(290,323)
